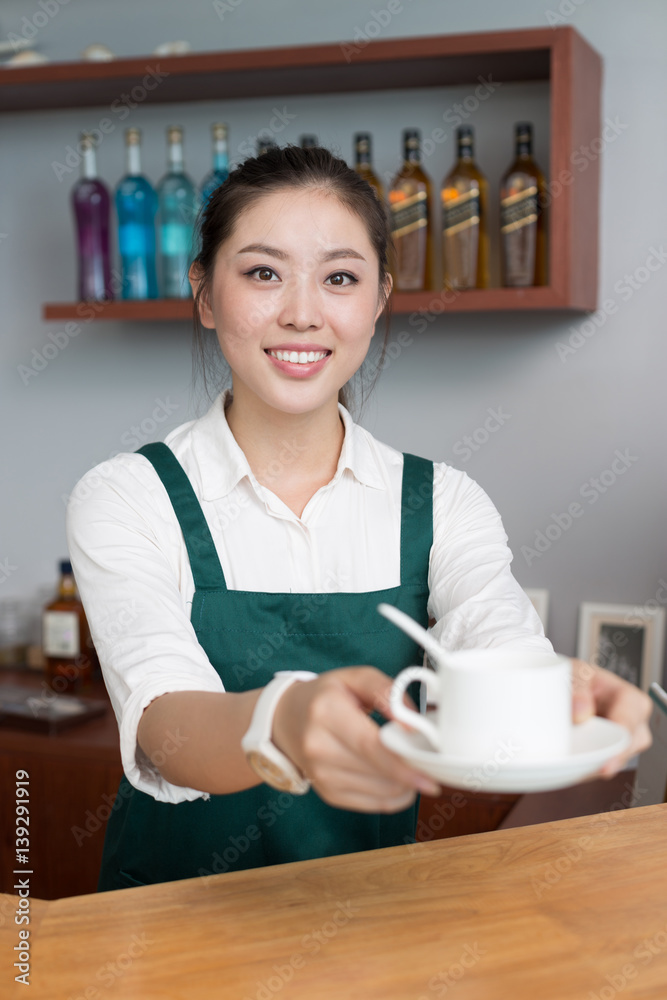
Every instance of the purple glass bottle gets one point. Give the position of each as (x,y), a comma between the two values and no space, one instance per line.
(91,204)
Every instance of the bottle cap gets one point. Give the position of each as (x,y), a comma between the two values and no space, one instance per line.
(65,567)
(174,133)
(219,130)
(523,130)
(308,141)
(86,141)
(133,136)
(465,132)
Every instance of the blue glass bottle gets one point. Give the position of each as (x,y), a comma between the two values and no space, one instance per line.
(220,171)
(136,205)
(178,203)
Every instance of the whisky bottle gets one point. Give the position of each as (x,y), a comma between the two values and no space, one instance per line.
(68,649)
(178,203)
(363,162)
(465,240)
(523,238)
(409,203)
(264,144)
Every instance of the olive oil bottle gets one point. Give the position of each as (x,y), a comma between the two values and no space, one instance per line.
(465,239)
(523,236)
(412,231)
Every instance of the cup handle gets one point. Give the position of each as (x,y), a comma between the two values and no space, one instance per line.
(402,713)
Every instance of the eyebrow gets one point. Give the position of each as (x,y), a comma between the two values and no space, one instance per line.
(338,254)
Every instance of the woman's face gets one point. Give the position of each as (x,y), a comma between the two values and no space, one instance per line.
(294,299)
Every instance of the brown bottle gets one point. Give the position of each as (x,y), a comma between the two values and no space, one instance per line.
(363,163)
(69,654)
(465,240)
(523,237)
(410,205)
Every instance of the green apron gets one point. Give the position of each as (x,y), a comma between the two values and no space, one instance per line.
(248,636)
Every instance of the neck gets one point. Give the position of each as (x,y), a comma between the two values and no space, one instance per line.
(292,454)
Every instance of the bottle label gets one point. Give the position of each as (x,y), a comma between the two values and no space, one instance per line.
(60,633)
(461,213)
(518,210)
(409,214)
(135,240)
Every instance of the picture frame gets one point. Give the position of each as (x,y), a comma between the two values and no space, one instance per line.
(540,601)
(625,639)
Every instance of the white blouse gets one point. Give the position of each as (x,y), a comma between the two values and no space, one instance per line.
(133,573)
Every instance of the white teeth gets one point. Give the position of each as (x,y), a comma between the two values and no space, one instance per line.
(298,357)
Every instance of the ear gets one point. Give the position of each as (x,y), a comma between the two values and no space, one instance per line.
(205,311)
(388,285)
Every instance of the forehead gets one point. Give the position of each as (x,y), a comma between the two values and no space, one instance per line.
(300,217)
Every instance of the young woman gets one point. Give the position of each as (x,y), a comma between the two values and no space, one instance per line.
(245,557)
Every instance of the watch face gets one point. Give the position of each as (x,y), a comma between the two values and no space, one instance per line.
(270,772)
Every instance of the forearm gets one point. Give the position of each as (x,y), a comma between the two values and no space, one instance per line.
(194,739)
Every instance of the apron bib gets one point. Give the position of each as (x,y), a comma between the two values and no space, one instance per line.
(247,637)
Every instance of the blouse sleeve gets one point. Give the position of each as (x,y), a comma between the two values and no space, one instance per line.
(474,599)
(135,583)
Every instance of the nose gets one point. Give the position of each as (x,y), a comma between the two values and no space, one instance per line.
(299,308)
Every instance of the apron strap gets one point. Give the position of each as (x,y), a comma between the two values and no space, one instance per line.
(416,518)
(204,561)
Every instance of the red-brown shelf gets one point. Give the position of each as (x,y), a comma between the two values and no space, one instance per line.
(558,55)
(403,303)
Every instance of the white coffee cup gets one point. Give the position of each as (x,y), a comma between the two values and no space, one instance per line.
(516,703)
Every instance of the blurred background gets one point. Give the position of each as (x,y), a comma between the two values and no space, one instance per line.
(566,417)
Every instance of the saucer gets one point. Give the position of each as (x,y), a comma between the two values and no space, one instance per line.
(594,742)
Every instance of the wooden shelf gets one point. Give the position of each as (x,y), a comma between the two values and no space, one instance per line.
(558,55)
(431,61)
(403,303)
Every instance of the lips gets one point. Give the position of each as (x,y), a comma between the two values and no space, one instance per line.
(298,360)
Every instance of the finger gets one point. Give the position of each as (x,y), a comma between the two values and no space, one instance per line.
(359,736)
(583,700)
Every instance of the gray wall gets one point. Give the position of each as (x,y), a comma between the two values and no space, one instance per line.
(566,418)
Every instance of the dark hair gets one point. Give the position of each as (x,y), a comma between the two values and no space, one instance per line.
(275,170)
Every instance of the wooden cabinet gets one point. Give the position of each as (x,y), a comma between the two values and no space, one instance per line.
(74,778)
(560,56)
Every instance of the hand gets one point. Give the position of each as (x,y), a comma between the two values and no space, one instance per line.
(323,727)
(596,691)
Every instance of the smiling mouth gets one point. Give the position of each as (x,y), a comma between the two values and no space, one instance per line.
(299,357)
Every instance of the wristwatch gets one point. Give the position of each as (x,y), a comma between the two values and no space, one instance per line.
(262,754)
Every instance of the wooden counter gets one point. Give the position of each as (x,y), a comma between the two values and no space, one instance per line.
(558,911)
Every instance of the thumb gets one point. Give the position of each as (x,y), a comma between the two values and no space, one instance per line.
(583,702)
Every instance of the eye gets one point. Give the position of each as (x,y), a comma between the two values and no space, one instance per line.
(264,274)
(338,279)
